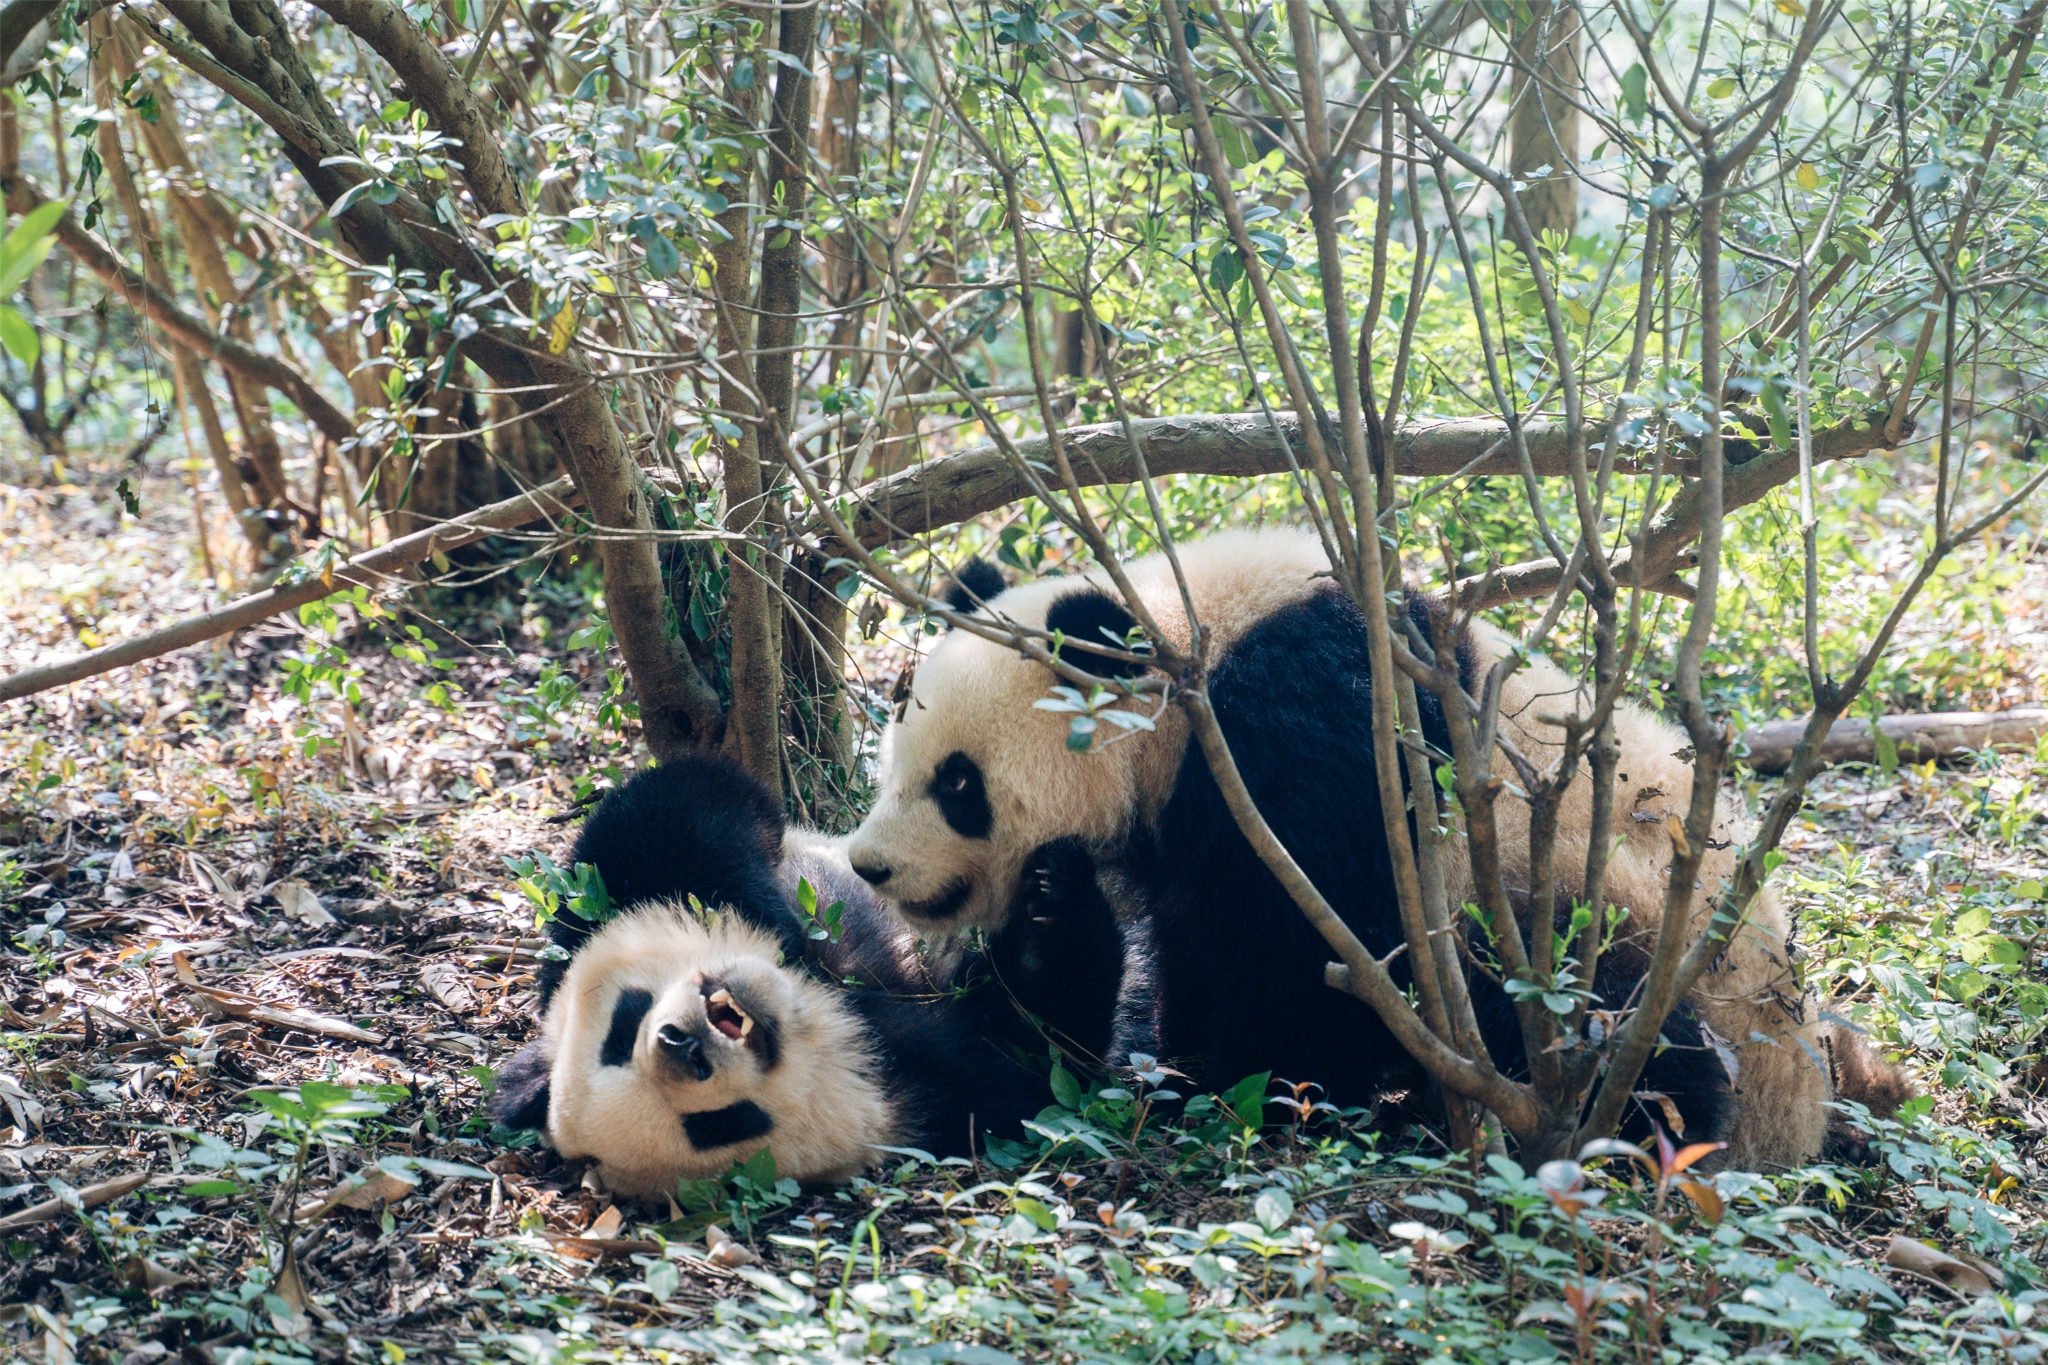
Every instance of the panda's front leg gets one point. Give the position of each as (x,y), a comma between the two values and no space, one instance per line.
(1061,952)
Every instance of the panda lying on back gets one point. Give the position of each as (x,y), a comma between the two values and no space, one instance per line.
(975,777)
(674,1044)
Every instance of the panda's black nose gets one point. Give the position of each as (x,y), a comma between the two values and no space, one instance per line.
(874,874)
(683,1051)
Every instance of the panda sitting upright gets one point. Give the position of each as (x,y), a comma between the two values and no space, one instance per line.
(975,779)
(678,1040)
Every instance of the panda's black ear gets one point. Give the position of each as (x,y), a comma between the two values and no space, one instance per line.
(520,1099)
(1092,617)
(973,584)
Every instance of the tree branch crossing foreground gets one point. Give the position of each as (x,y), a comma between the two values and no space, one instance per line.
(960,487)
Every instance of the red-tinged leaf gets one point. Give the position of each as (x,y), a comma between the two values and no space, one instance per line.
(1692,1154)
(1707,1198)
(1665,1151)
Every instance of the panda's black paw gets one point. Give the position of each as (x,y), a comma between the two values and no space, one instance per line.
(1062,878)
(519,1099)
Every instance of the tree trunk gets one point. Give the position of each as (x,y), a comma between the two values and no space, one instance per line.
(1544,127)
(218,293)
(753,724)
(189,374)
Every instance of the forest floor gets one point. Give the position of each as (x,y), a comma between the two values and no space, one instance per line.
(262,951)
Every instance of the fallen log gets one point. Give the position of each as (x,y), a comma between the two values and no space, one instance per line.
(366,569)
(962,486)
(1936,734)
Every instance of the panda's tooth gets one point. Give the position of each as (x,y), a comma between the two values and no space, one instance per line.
(721,996)
(746,1024)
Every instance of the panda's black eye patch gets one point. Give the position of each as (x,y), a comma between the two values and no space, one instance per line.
(963,800)
(627,1012)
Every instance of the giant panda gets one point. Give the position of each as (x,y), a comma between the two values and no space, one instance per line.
(975,779)
(678,1039)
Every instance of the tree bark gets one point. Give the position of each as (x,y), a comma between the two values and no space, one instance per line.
(753,725)
(1543,130)
(980,479)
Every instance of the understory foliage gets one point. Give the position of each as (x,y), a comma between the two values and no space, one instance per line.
(1699,343)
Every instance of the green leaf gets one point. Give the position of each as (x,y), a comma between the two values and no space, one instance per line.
(1226,268)
(1247,1099)
(1635,92)
(18,335)
(26,246)
(1237,149)
(760,1168)
(35,225)
(1065,1088)
(211,1189)
(281,1105)
(1038,1213)
(1721,89)
(1273,1208)
(662,257)
(1773,397)
(663,1280)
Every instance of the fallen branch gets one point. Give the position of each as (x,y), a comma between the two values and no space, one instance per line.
(367,569)
(91,1197)
(1937,734)
(960,487)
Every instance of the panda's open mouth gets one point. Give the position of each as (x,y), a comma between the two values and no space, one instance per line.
(945,905)
(723,1013)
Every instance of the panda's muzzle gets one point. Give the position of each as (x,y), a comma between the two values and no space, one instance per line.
(682,1052)
(941,907)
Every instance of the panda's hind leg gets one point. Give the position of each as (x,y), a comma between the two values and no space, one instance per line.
(1684,1077)
(1860,1075)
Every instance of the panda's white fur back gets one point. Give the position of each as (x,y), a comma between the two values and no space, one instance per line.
(824,1094)
(1752,997)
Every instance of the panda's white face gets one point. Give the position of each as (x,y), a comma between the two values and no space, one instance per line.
(677,1049)
(975,777)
